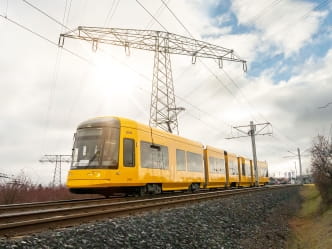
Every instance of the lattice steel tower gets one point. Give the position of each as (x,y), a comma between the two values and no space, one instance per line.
(163,110)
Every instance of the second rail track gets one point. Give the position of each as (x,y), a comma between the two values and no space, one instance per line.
(30,220)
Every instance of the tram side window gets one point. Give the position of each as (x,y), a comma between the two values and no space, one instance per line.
(129,152)
(259,171)
(221,165)
(154,156)
(195,162)
(217,165)
(248,173)
(212,165)
(244,170)
(233,167)
(263,172)
(180,160)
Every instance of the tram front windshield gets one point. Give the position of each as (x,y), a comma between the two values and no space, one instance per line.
(96,148)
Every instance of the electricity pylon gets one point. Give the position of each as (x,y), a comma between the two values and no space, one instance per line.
(163,110)
(252,132)
(57,159)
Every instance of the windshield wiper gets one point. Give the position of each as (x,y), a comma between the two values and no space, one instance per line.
(94,157)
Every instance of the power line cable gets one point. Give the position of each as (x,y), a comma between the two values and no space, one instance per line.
(291,24)
(68,13)
(178,97)
(55,74)
(167,31)
(187,102)
(6,9)
(58,55)
(64,26)
(179,21)
(228,76)
(265,10)
(151,15)
(192,37)
(51,94)
(156,14)
(224,72)
(321,5)
(111,12)
(324,106)
(65,20)
(218,79)
(307,14)
(45,38)
(61,24)
(317,7)
(44,13)
(148,79)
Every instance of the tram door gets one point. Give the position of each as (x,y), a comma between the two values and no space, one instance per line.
(129,169)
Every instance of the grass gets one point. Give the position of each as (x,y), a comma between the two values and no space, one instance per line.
(21,190)
(312,227)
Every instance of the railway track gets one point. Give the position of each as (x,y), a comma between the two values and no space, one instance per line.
(36,206)
(30,218)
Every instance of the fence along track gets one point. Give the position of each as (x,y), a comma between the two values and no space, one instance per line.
(26,222)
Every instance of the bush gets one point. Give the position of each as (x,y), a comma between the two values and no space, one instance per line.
(321,162)
(20,189)
(14,189)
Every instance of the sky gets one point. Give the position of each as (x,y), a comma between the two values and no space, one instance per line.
(47,91)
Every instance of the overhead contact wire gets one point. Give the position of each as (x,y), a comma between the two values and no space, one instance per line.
(223,70)
(218,79)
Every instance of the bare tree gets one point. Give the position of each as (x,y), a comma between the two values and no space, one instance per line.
(321,162)
(13,190)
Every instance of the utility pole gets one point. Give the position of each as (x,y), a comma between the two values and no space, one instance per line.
(57,159)
(163,110)
(254,130)
(300,164)
(298,155)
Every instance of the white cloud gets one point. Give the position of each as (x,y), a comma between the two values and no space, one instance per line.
(33,123)
(287,25)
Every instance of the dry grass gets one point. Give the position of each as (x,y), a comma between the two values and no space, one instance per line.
(312,228)
(22,190)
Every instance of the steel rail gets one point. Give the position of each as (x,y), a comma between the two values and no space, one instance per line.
(34,221)
(34,206)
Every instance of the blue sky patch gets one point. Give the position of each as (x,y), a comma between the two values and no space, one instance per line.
(282,68)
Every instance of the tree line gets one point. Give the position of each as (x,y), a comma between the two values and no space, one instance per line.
(321,162)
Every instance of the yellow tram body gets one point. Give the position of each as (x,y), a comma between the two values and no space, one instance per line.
(263,178)
(153,160)
(116,155)
(216,172)
(246,176)
(233,170)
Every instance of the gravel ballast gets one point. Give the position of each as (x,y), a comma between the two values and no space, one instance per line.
(256,220)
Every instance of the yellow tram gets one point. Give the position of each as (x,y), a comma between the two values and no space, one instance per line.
(118,155)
